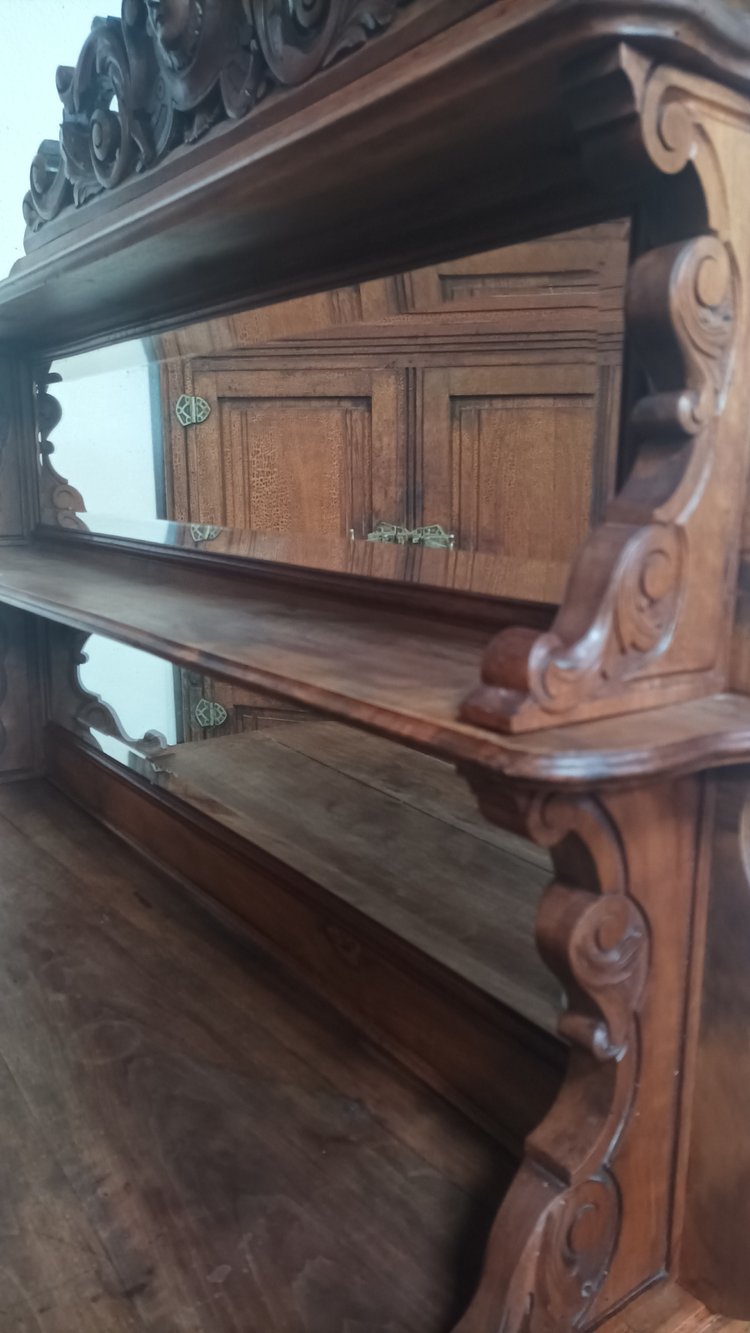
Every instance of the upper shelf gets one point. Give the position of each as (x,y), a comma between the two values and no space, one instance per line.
(401,674)
(445,131)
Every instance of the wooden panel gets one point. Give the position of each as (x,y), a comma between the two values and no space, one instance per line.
(590,260)
(313,453)
(507,458)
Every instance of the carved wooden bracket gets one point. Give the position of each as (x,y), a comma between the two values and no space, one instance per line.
(75,707)
(645,619)
(60,503)
(167,70)
(587,1221)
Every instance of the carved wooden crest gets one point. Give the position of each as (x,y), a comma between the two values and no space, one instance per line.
(167,70)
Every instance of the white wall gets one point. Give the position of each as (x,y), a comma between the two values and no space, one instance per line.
(38,35)
(104,443)
(138,686)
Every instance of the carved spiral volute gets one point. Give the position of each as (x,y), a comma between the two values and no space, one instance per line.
(168,70)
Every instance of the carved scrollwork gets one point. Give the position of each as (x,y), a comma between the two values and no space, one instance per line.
(167,70)
(558,1228)
(628,585)
(60,503)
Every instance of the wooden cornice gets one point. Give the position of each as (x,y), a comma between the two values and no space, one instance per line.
(319,185)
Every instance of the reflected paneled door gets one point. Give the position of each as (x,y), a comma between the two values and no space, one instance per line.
(507,455)
(309,452)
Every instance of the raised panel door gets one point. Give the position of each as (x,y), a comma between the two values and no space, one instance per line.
(308,452)
(506,461)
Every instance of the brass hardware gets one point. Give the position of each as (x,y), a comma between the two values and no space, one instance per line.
(207,713)
(431,535)
(191,410)
(203,532)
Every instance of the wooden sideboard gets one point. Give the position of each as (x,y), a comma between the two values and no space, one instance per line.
(257,154)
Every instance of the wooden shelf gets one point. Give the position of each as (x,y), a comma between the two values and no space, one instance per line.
(403,675)
(393,833)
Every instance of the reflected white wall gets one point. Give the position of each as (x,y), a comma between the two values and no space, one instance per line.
(104,444)
(38,35)
(138,686)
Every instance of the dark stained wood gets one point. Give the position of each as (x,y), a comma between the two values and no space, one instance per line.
(315,795)
(496,1066)
(306,177)
(522,119)
(588,1221)
(187,1144)
(347,664)
(21,699)
(717,1210)
(635,629)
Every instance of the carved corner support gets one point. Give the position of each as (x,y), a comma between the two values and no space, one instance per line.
(79,710)
(646,617)
(60,504)
(588,1220)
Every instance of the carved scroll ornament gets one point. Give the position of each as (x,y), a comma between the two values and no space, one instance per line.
(167,70)
(60,503)
(559,1226)
(641,621)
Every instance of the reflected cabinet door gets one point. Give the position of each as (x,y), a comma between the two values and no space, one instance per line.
(507,457)
(311,452)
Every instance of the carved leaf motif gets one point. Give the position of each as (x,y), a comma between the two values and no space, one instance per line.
(169,70)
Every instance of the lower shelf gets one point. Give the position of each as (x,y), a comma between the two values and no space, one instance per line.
(394,834)
(410,947)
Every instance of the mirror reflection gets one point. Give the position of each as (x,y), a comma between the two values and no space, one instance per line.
(470,406)
(394,833)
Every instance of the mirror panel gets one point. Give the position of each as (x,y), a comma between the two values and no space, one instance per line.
(470,406)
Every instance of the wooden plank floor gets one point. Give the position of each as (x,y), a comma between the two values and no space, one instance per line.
(187,1142)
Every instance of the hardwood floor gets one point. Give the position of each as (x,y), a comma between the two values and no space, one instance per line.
(187,1142)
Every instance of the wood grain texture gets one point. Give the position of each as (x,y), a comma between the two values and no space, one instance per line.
(306,177)
(587,1223)
(636,627)
(712,1258)
(255,639)
(499,1069)
(193,1147)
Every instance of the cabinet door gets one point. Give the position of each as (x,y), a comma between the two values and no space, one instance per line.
(307,452)
(506,457)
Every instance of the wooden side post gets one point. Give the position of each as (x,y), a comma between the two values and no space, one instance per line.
(589,1221)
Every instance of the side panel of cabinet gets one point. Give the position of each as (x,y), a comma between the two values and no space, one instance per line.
(308,452)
